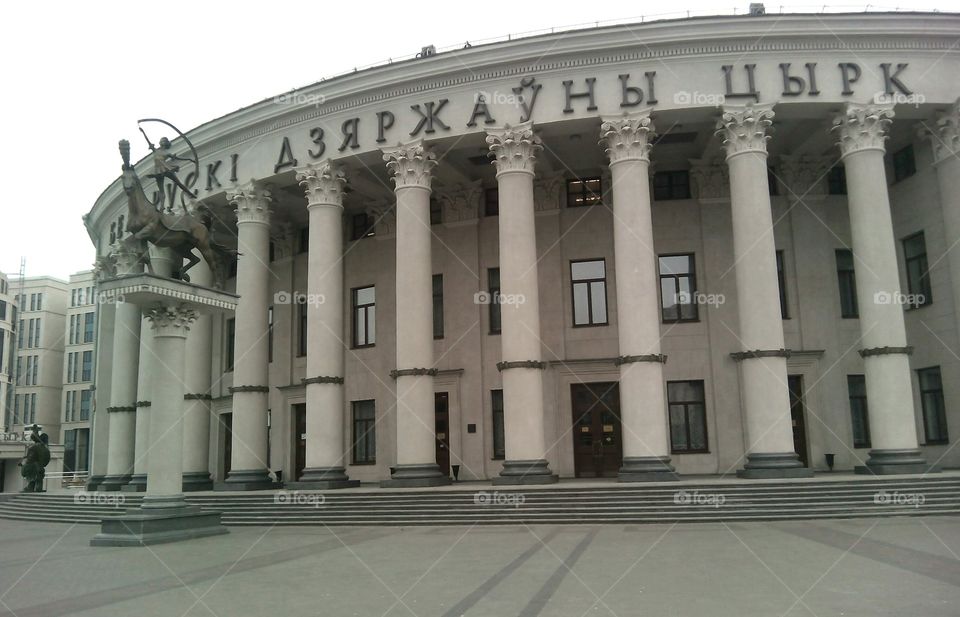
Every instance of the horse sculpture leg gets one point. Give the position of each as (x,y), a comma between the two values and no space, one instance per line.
(192,260)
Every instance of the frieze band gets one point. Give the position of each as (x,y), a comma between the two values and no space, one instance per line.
(883,351)
(406,372)
(502,366)
(197,397)
(236,389)
(760,353)
(652,357)
(321,379)
(121,408)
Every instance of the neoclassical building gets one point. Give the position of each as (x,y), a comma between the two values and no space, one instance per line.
(706,246)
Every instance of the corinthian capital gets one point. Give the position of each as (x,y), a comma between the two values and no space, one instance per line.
(627,137)
(323,183)
(514,148)
(743,128)
(251,203)
(945,134)
(862,127)
(410,164)
(171,319)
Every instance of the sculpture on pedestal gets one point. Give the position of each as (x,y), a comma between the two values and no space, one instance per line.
(34,463)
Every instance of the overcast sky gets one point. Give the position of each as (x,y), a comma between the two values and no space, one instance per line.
(77,75)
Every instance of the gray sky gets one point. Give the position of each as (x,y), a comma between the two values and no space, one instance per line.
(77,75)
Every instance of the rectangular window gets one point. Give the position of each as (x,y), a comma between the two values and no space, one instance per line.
(87,373)
(782,281)
(40,301)
(904,164)
(437,306)
(361,226)
(303,244)
(229,335)
(87,327)
(678,288)
(491,202)
(364,316)
(496,401)
(837,181)
(3,309)
(84,405)
(364,433)
(20,335)
(29,374)
(36,334)
(688,416)
(669,185)
(33,302)
(857,390)
(73,297)
(76,366)
(69,450)
(31,325)
(589,279)
(918,272)
(302,327)
(934,409)
(436,212)
(72,335)
(583,192)
(847,280)
(83,449)
(270,334)
(493,288)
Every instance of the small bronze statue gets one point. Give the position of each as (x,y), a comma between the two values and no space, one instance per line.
(33,465)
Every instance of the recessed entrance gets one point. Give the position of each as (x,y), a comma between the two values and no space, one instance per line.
(596,429)
(441,408)
(798,418)
(226,446)
(300,439)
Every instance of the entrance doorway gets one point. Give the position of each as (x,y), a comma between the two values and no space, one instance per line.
(597,451)
(441,410)
(798,417)
(226,420)
(300,438)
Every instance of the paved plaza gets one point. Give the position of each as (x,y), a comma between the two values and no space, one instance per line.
(900,566)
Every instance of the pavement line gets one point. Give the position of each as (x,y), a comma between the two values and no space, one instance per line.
(543,595)
(460,608)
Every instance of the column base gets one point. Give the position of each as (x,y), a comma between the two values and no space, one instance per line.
(155,525)
(247,480)
(525,472)
(322,478)
(113,483)
(887,462)
(93,482)
(416,476)
(647,469)
(137,484)
(766,465)
(197,481)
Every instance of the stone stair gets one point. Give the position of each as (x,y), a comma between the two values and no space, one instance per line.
(685,501)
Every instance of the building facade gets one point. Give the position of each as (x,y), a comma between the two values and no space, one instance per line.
(706,246)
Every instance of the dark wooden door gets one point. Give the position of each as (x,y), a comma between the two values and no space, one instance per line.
(798,417)
(596,429)
(300,438)
(227,420)
(441,408)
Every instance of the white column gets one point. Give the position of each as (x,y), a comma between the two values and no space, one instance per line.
(100,419)
(123,383)
(763,359)
(325,454)
(515,151)
(249,467)
(643,407)
(411,165)
(944,136)
(145,369)
(862,130)
(170,324)
(196,418)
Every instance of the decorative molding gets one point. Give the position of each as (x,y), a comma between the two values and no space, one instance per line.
(628,137)
(884,351)
(410,164)
(408,372)
(710,180)
(804,176)
(760,353)
(862,127)
(461,202)
(141,404)
(502,366)
(251,203)
(321,379)
(323,183)
(743,128)
(262,389)
(514,148)
(197,397)
(548,189)
(653,357)
(121,408)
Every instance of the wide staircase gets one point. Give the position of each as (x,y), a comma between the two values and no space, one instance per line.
(686,501)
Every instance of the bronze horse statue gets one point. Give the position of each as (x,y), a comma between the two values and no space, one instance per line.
(181,232)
